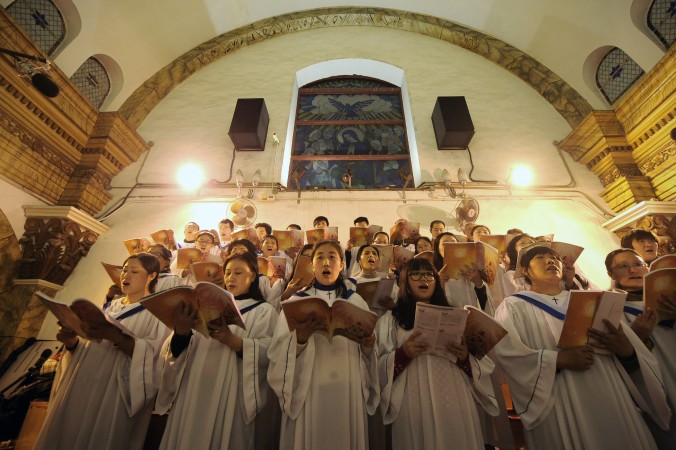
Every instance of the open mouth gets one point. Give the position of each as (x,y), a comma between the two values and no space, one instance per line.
(424,286)
(326,272)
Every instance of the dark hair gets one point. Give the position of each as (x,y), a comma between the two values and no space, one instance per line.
(436,221)
(421,238)
(340,281)
(361,250)
(268,228)
(252,262)
(611,256)
(246,243)
(294,226)
(404,310)
(361,219)
(515,231)
(381,232)
(164,253)
(511,249)
(270,236)
(531,253)
(206,233)
(438,260)
(319,219)
(478,226)
(228,222)
(637,235)
(150,264)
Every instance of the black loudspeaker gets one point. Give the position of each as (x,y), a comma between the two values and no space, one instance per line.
(249,127)
(452,123)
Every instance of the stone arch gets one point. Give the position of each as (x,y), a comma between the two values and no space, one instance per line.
(568,102)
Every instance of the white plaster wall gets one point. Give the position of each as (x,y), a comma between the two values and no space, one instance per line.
(12,200)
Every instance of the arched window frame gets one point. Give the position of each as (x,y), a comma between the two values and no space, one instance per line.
(661,20)
(42,20)
(615,74)
(348,68)
(95,88)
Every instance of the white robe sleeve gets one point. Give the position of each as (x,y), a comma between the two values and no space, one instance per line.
(391,390)
(531,373)
(254,362)
(289,373)
(645,384)
(172,372)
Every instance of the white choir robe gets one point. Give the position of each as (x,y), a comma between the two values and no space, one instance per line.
(215,394)
(664,339)
(101,398)
(167,281)
(461,293)
(432,404)
(326,390)
(592,409)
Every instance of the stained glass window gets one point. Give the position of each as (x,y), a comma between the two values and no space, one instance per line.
(92,80)
(662,21)
(616,73)
(41,20)
(350,133)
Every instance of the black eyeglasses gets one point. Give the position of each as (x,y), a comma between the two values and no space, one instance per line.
(417,276)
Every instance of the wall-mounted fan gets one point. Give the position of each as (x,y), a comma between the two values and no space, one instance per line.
(242,213)
(467,211)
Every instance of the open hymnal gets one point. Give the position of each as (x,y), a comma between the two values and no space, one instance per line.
(166,238)
(208,271)
(587,309)
(441,325)
(289,241)
(249,234)
(363,235)
(428,255)
(373,291)
(463,257)
(341,318)
(137,245)
(659,283)
(302,276)
(321,234)
(664,262)
(80,311)
(497,241)
(405,231)
(187,256)
(386,253)
(401,256)
(113,271)
(274,267)
(210,301)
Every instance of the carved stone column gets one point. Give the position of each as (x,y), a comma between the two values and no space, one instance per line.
(55,239)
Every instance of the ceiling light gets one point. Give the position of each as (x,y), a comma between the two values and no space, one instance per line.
(190,176)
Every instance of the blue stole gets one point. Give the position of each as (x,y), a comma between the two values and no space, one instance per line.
(546,308)
(135,310)
(250,307)
(633,311)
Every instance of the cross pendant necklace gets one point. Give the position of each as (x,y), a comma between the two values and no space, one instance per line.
(329,295)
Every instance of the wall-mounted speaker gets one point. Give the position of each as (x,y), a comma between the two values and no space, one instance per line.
(249,126)
(452,123)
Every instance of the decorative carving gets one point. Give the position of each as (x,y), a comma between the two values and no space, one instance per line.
(658,159)
(52,248)
(570,104)
(30,140)
(605,152)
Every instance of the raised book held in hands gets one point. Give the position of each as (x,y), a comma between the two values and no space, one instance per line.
(461,258)
(441,325)
(587,309)
(342,318)
(210,301)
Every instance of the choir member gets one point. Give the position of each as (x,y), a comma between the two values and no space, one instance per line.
(429,400)
(325,388)
(104,388)
(216,387)
(644,242)
(572,398)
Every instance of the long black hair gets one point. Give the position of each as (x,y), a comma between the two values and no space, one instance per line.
(252,263)
(438,259)
(404,310)
(511,249)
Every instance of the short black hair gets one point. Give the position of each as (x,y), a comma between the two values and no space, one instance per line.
(361,219)
(637,235)
(268,228)
(228,222)
(320,219)
(294,226)
(531,253)
(245,242)
(436,221)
